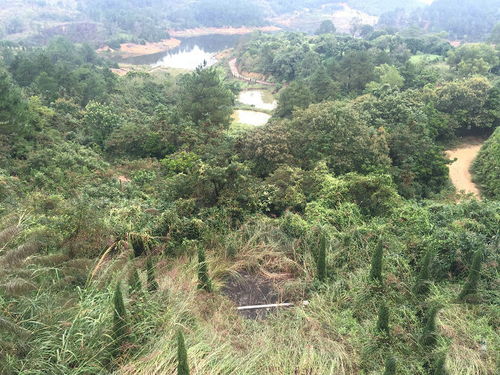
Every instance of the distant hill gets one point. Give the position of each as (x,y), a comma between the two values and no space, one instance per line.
(464,20)
(117,21)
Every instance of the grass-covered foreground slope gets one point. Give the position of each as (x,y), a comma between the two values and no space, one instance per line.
(127,206)
(58,308)
(487,167)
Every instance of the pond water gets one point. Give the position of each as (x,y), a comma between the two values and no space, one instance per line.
(255,98)
(192,52)
(251,117)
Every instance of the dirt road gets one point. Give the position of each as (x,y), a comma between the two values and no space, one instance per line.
(460,169)
(236,74)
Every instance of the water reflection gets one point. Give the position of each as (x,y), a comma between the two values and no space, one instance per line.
(191,53)
(256,99)
(187,59)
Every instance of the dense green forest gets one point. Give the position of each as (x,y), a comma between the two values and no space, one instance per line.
(113,22)
(128,204)
(465,19)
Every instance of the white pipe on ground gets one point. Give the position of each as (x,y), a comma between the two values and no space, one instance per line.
(255,307)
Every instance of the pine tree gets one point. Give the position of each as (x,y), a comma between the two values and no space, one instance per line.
(152,284)
(321,261)
(383,319)
(203,278)
(470,286)
(376,270)
(134,282)
(422,284)
(429,334)
(182,362)
(119,319)
(440,366)
(390,366)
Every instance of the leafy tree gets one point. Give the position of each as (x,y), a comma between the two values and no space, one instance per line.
(375,194)
(267,147)
(296,95)
(203,277)
(356,69)
(151,279)
(377,261)
(207,99)
(100,120)
(322,86)
(470,287)
(389,75)
(335,133)
(466,101)
(472,59)
(326,27)
(13,109)
(119,320)
(182,361)
(419,166)
(485,167)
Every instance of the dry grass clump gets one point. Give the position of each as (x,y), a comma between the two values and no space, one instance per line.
(17,256)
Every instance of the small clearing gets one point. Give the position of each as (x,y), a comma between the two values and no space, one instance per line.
(249,289)
(460,174)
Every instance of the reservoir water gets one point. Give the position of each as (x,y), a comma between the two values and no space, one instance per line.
(192,52)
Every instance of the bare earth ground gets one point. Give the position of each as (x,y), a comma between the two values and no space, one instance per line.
(311,18)
(133,50)
(460,174)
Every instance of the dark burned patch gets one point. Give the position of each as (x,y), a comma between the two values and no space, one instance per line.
(246,289)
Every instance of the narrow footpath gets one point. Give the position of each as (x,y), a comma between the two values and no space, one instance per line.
(236,74)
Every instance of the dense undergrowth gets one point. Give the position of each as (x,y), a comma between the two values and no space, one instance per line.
(131,189)
(486,167)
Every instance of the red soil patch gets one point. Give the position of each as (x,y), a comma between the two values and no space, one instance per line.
(132,50)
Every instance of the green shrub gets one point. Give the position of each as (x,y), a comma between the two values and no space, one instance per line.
(470,286)
(203,277)
(377,262)
(151,280)
(486,168)
(119,320)
(440,366)
(182,361)
(383,319)
(321,260)
(429,334)
(134,281)
(422,283)
(390,366)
